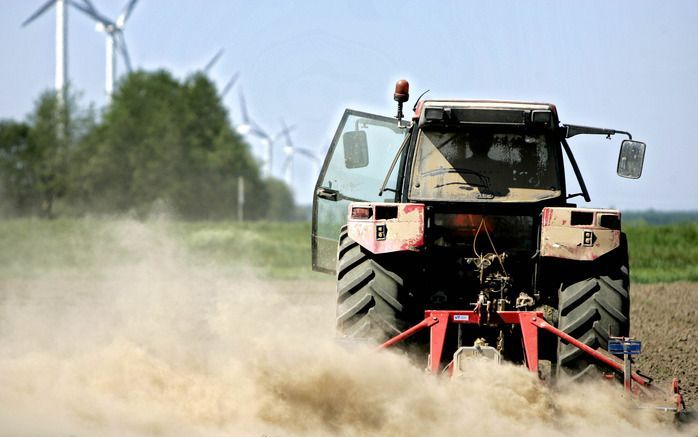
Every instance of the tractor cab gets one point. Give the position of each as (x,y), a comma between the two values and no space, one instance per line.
(472,151)
(461,159)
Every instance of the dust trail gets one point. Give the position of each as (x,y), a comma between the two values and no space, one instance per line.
(156,345)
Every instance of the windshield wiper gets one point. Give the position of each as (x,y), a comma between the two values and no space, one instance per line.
(484,179)
(460,183)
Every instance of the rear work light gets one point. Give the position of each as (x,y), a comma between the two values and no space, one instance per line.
(361,212)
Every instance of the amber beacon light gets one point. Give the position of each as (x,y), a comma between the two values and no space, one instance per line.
(402,94)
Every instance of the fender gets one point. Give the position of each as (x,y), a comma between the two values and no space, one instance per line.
(581,234)
(387,227)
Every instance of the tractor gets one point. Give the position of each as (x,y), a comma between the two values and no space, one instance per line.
(462,216)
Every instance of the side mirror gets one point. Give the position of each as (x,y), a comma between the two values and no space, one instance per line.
(630,159)
(355,149)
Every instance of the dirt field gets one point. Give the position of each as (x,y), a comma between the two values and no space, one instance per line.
(665,318)
(157,346)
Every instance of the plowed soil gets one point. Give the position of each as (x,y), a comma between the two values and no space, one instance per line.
(665,318)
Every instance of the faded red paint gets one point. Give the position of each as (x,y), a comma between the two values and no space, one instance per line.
(409,207)
(547,215)
(403,233)
(418,110)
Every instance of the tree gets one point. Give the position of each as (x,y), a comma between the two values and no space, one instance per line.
(166,141)
(15,181)
(161,141)
(281,206)
(35,155)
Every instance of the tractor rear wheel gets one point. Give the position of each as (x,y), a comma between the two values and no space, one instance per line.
(593,303)
(370,292)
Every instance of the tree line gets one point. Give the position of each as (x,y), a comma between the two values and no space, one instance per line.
(160,144)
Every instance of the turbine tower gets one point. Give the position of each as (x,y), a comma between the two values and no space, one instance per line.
(113,29)
(61,38)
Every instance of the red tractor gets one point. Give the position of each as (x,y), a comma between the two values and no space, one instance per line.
(462,216)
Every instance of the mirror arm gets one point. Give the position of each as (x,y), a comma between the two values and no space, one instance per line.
(571,130)
(630,137)
(575,167)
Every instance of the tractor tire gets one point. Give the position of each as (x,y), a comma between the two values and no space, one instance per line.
(370,293)
(592,304)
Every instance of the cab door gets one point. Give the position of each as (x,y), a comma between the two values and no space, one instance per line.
(358,159)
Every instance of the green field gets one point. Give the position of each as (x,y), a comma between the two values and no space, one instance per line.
(665,253)
(32,247)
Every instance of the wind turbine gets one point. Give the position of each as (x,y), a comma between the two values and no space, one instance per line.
(250,127)
(229,85)
(290,149)
(61,37)
(212,62)
(115,38)
(247,125)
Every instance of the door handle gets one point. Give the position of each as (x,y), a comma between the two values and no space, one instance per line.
(326,193)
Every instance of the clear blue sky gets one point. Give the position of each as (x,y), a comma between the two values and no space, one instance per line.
(630,65)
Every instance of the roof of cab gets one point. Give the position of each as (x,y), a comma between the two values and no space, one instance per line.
(493,104)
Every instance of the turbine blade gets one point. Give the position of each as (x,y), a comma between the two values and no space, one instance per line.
(307,153)
(213,61)
(254,128)
(126,13)
(121,46)
(38,12)
(230,84)
(259,133)
(243,108)
(89,8)
(85,10)
(286,133)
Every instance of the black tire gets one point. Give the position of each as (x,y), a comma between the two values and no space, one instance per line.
(593,303)
(370,293)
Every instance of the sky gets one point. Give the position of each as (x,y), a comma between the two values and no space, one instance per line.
(627,65)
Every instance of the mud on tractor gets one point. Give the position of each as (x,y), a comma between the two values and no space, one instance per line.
(458,222)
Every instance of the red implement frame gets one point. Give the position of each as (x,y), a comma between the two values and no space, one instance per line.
(529,322)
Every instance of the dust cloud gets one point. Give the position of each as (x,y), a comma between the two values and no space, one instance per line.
(157,344)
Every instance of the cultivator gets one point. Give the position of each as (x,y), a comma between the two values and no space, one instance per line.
(531,323)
